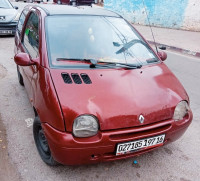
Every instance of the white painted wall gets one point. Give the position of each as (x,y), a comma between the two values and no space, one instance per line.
(192,16)
(175,14)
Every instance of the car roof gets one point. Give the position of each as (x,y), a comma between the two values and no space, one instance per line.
(53,9)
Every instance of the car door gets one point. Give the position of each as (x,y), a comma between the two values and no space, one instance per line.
(30,44)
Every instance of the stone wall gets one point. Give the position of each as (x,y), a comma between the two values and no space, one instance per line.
(178,14)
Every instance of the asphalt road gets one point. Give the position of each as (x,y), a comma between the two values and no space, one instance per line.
(19,159)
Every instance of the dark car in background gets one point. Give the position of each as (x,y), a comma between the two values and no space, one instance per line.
(76,2)
(8,18)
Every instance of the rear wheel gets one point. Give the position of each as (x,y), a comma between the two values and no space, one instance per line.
(42,144)
(20,78)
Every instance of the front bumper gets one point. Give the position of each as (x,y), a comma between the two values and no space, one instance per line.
(8,28)
(69,150)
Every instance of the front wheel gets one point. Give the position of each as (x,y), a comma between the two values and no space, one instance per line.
(42,144)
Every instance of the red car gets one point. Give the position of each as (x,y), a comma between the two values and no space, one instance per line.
(98,90)
(76,2)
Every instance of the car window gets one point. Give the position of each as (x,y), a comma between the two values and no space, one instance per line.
(31,35)
(21,21)
(107,39)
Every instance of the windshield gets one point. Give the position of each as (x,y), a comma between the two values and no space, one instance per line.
(5,4)
(105,39)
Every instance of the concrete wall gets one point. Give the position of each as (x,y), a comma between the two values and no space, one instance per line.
(178,14)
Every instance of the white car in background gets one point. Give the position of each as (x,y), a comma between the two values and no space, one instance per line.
(9,17)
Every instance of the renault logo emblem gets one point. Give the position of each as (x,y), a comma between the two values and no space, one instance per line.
(141,119)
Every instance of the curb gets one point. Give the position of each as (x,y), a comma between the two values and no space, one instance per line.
(176,49)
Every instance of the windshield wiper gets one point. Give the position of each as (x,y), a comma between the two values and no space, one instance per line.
(122,65)
(129,44)
(152,60)
(95,63)
(92,61)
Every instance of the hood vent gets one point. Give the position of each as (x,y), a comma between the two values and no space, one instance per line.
(66,77)
(86,79)
(77,79)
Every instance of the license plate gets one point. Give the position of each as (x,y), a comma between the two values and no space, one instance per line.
(124,148)
(5,31)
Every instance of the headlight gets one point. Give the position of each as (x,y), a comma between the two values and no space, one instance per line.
(181,110)
(17,17)
(85,126)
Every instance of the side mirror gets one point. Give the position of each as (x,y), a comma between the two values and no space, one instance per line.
(162,55)
(23,59)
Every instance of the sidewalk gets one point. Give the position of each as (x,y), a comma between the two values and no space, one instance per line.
(186,42)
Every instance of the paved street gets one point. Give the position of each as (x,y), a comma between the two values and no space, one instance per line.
(177,161)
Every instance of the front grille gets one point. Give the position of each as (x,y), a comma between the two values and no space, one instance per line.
(142,131)
(76,78)
(136,133)
(8,26)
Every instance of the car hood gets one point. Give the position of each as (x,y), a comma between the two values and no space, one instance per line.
(9,14)
(117,97)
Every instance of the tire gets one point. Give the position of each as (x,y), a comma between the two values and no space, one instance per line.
(16,0)
(59,2)
(42,144)
(20,78)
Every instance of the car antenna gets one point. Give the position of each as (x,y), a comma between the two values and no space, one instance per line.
(150,26)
